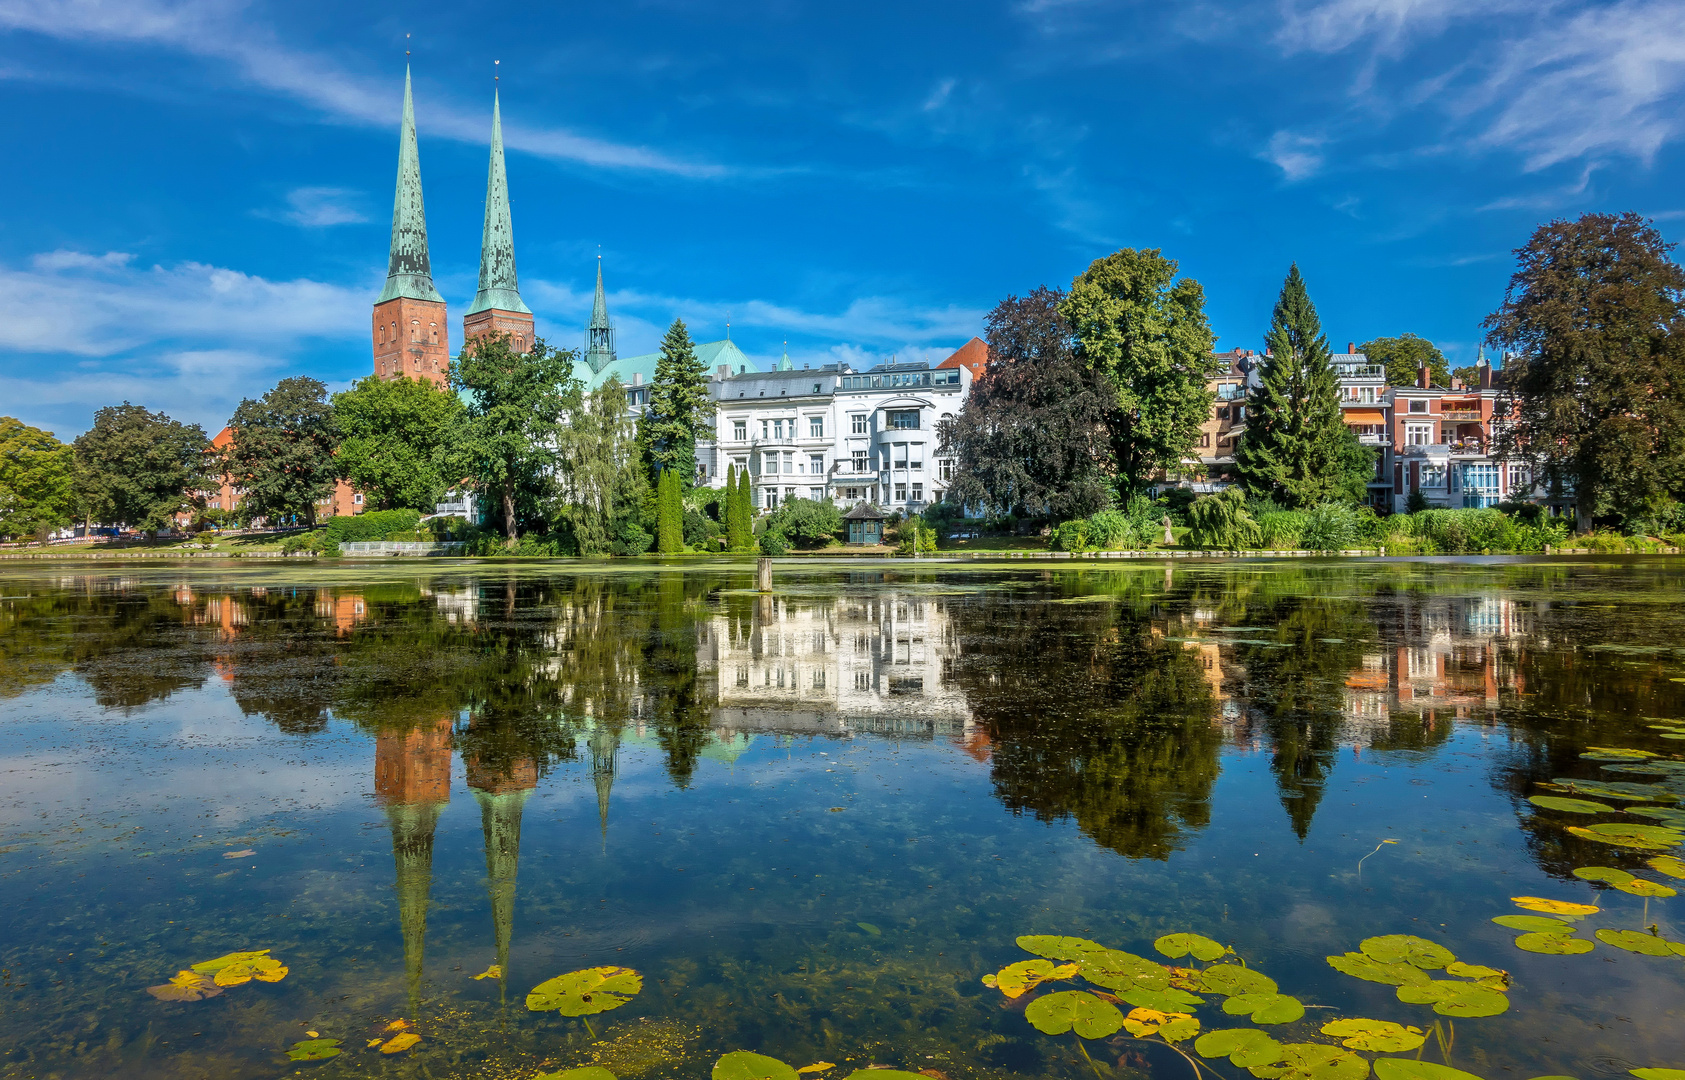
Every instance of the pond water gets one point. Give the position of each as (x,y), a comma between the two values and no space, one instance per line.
(814,821)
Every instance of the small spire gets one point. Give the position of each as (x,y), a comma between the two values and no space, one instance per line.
(409,271)
(784,363)
(599,336)
(499,287)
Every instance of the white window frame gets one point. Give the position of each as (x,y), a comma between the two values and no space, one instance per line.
(857,423)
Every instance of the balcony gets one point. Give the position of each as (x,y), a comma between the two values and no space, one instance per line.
(1432,450)
(1460,414)
(1374,440)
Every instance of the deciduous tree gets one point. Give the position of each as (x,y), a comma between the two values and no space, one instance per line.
(511,433)
(398,440)
(135,467)
(283,451)
(1595,380)
(1404,356)
(1146,334)
(605,479)
(36,475)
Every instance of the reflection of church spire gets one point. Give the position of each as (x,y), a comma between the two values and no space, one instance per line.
(412,779)
(605,762)
(502,795)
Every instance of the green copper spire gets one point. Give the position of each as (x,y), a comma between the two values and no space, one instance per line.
(410,271)
(605,764)
(498,288)
(500,821)
(599,343)
(784,362)
(412,851)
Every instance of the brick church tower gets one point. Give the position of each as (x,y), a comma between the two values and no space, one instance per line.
(410,335)
(497,307)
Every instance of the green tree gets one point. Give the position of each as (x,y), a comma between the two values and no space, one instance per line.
(283,451)
(1147,334)
(1595,383)
(1292,446)
(735,535)
(512,431)
(745,510)
(1404,356)
(1469,375)
(135,467)
(811,522)
(678,408)
(605,479)
(669,514)
(397,440)
(36,477)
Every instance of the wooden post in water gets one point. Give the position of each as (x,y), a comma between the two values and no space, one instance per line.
(763,575)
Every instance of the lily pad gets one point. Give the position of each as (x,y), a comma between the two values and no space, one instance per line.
(1405,1069)
(1567,805)
(1475,1001)
(1381,1036)
(1055,947)
(1242,1046)
(1073,1010)
(584,1072)
(1475,971)
(1172,1027)
(1406,949)
(1617,751)
(1613,789)
(1640,887)
(397,1044)
(1658,1074)
(1166,1000)
(1535,924)
(1229,979)
(587,992)
(211,967)
(746,1065)
(1602,873)
(1015,980)
(186,986)
(1367,968)
(1118,970)
(1637,837)
(1554,907)
(1671,816)
(1671,865)
(1265,1008)
(1196,945)
(314,1050)
(1553,944)
(1636,941)
(1313,1061)
(262,968)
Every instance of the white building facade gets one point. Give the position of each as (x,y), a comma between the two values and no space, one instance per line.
(833,433)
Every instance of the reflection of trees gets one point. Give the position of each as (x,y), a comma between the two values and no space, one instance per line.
(130,646)
(1091,716)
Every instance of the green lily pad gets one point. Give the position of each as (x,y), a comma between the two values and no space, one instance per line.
(1535,924)
(1553,944)
(1474,971)
(1658,1074)
(1638,837)
(1640,887)
(1228,979)
(1265,1008)
(1405,1069)
(1406,949)
(1613,789)
(314,1050)
(746,1065)
(1616,752)
(209,967)
(1242,1046)
(1055,947)
(1313,1061)
(1636,941)
(1201,947)
(1381,1036)
(1671,865)
(1602,873)
(1117,970)
(1475,1001)
(587,992)
(1074,1010)
(584,1072)
(1167,1000)
(1367,968)
(1567,805)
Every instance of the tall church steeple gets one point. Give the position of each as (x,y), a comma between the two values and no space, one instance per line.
(497,307)
(599,337)
(409,332)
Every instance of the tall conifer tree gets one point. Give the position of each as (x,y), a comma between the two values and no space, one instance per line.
(678,408)
(669,514)
(733,529)
(1294,436)
(745,510)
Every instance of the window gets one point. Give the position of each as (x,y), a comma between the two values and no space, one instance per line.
(789,493)
(1418,434)
(918,492)
(1222,412)
(945,469)
(769,463)
(816,464)
(904,420)
(764,428)
(1205,439)
(816,427)
(816,389)
(860,465)
(789,463)
(918,463)
(817,494)
(740,430)
(1518,480)
(853,493)
(357,499)
(1418,406)
(900,492)
(900,455)
(857,423)
(778,429)
(771,498)
(742,465)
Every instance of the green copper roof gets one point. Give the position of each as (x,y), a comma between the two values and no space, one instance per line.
(498,288)
(599,336)
(410,272)
(711,353)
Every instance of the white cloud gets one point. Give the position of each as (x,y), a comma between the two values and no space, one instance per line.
(1330,26)
(1296,154)
(213,29)
(320,207)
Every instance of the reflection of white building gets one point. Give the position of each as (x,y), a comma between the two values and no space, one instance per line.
(873,662)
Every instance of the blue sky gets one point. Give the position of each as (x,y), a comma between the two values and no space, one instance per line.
(197,195)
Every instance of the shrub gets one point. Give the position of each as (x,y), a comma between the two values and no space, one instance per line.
(1111,530)
(1279,530)
(774,542)
(1146,518)
(374,525)
(1416,503)
(1179,503)
(632,539)
(699,529)
(1221,521)
(1329,527)
(809,522)
(1071,536)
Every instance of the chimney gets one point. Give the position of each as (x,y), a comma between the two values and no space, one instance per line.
(637,378)
(1424,378)
(724,370)
(1485,370)
(1351,346)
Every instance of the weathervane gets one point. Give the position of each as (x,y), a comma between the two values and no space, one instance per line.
(494,64)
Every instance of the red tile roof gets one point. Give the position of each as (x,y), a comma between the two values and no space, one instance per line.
(974,354)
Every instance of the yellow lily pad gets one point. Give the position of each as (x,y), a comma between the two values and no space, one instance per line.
(1671,865)
(491,972)
(1381,1036)
(397,1044)
(1170,1026)
(211,967)
(587,992)
(1015,980)
(186,986)
(1640,887)
(817,1067)
(1553,907)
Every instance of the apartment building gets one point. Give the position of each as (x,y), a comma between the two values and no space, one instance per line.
(1442,445)
(1363,407)
(836,433)
(1222,430)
